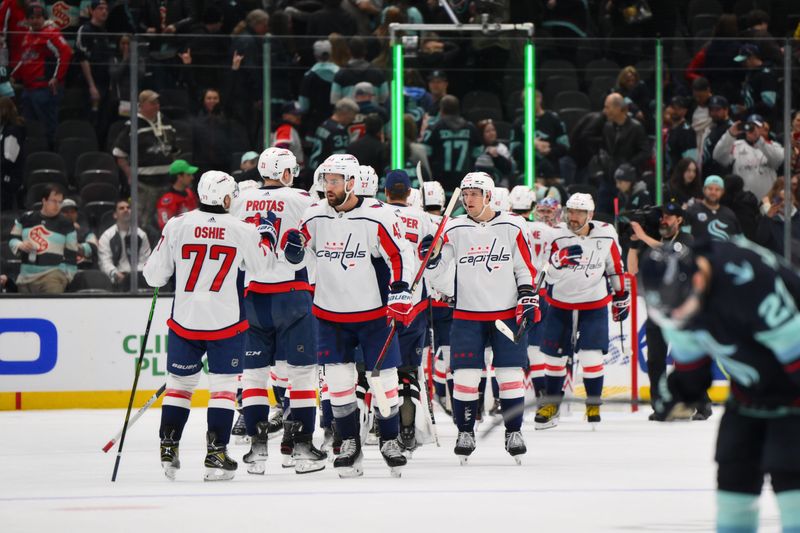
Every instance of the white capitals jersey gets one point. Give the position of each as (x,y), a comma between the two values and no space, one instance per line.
(358,254)
(584,286)
(415,224)
(288,205)
(492,259)
(205,252)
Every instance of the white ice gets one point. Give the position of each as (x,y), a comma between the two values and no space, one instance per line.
(629,475)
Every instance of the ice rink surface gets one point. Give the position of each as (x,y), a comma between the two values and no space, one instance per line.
(628,475)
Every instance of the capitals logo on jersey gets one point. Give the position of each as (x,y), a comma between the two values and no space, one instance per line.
(343,252)
(490,257)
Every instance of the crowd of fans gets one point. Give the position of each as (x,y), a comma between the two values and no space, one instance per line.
(65,92)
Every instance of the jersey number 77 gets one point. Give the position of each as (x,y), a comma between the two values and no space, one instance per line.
(216,252)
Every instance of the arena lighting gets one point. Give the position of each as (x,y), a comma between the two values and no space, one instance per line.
(398,158)
(530,114)
(659,122)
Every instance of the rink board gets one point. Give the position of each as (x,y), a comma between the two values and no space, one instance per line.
(64,353)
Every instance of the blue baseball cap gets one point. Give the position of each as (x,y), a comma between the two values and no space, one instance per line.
(395,178)
(747,50)
(714,180)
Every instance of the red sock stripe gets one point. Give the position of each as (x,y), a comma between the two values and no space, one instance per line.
(342,394)
(596,368)
(302,395)
(512,385)
(465,389)
(439,374)
(538,367)
(391,393)
(177,393)
(249,393)
(554,368)
(223,395)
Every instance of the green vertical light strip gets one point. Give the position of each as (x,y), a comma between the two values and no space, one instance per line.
(659,118)
(398,158)
(530,115)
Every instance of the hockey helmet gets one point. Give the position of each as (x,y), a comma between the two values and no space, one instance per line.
(522,198)
(414,198)
(274,161)
(581,201)
(214,186)
(433,194)
(478,180)
(367,181)
(500,199)
(344,164)
(548,210)
(666,274)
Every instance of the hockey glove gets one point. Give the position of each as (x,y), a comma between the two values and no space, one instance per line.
(294,246)
(620,305)
(528,307)
(399,304)
(266,227)
(424,246)
(569,256)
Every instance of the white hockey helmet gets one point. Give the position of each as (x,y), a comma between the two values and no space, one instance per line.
(500,199)
(522,198)
(414,198)
(367,182)
(581,201)
(433,194)
(478,180)
(274,161)
(344,164)
(214,186)
(248,184)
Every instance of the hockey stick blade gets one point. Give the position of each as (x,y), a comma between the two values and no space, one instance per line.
(380,397)
(505,330)
(134,418)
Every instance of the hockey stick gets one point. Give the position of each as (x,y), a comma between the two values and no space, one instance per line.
(136,417)
(429,382)
(135,383)
(377,386)
(505,330)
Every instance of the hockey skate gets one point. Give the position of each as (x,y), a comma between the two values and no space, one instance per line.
(465,445)
(287,445)
(169,456)
(703,412)
(256,458)
(348,462)
(593,414)
(547,416)
(407,437)
(219,465)
(495,409)
(276,422)
(515,445)
(240,430)
(307,458)
(327,440)
(392,453)
(374,436)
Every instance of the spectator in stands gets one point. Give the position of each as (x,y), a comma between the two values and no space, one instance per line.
(700,116)
(332,18)
(7,284)
(157,149)
(332,137)
(284,60)
(94,50)
(453,144)
(760,87)
(721,122)
(340,50)
(371,149)
(795,141)
(209,51)
(364,96)
(315,89)
(437,87)
(181,198)
(286,134)
(719,68)
(214,135)
(42,69)
(633,89)
(551,143)
(12,139)
(414,150)
(755,157)
(632,192)
(120,74)
(743,204)
(757,22)
(46,242)
(771,226)
(114,249)
(364,13)
(681,140)
(685,184)
(436,53)
(248,46)
(12,13)
(499,152)
(248,170)
(87,240)
(358,69)
(249,161)
(175,16)
(709,219)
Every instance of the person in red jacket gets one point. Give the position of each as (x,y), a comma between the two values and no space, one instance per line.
(180,198)
(12,24)
(42,68)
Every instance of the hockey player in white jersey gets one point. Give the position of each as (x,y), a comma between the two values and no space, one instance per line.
(363,272)
(282,332)
(493,280)
(367,182)
(584,259)
(205,249)
(414,225)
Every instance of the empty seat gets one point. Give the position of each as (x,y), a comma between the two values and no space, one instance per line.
(557,84)
(484,99)
(567,99)
(702,21)
(43,167)
(503,130)
(96,166)
(570,116)
(601,68)
(34,128)
(76,128)
(477,114)
(557,67)
(70,149)
(697,7)
(89,281)
(35,144)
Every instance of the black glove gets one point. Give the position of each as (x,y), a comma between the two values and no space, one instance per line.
(294,246)
(425,245)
